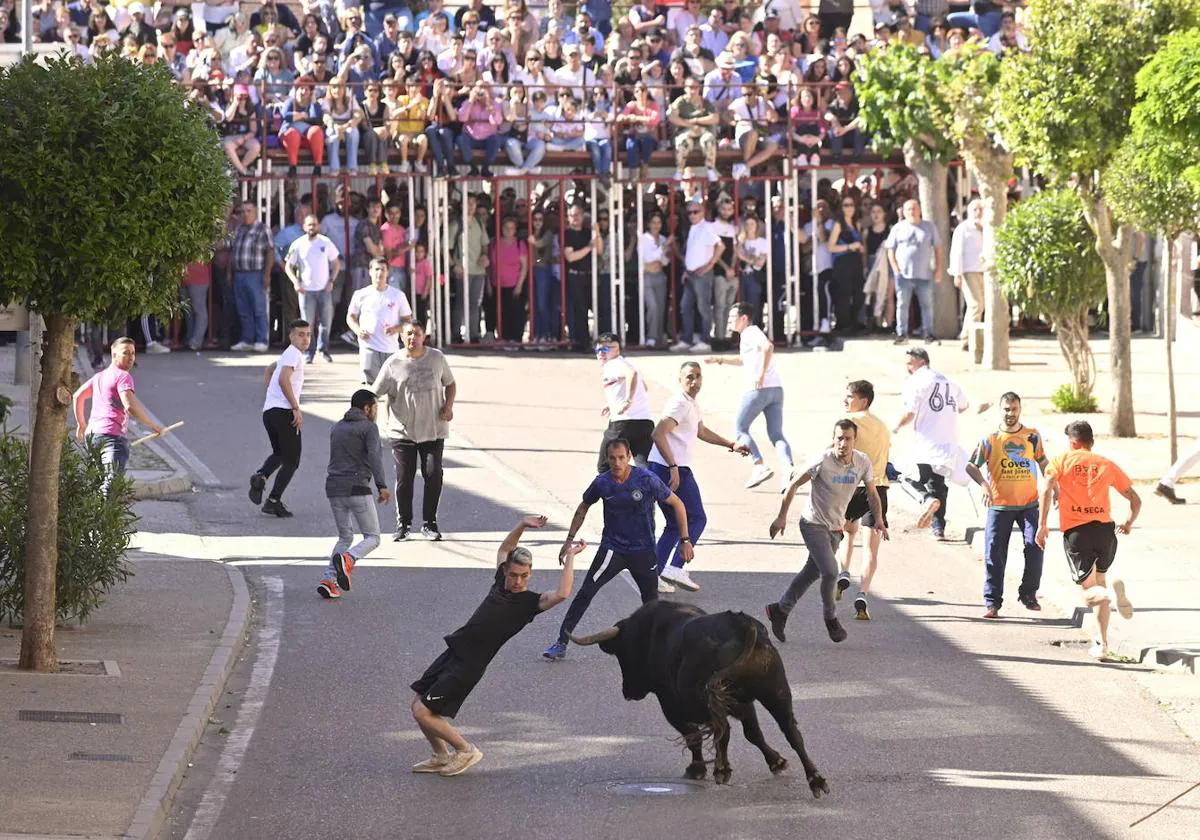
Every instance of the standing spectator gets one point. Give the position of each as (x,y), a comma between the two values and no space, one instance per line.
(654,250)
(696,120)
(394,238)
(703,251)
(725,279)
(642,117)
(421,272)
(340,226)
(579,244)
(367,245)
(253,257)
(480,117)
(914,250)
(547,289)
(376,315)
(846,248)
(283,420)
(289,303)
(302,125)
(510,270)
(966,267)
(475,269)
(312,263)
(751,250)
(420,391)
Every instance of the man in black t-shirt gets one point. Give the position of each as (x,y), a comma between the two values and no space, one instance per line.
(579,243)
(508,607)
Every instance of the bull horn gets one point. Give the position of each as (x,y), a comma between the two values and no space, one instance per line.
(596,638)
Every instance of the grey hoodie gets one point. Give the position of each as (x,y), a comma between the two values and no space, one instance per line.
(355,457)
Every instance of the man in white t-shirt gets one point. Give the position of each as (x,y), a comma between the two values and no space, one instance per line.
(671,460)
(763,395)
(932,404)
(312,263)
(704,248)
(282,418)
(376,314)
(752,115)
(626,403)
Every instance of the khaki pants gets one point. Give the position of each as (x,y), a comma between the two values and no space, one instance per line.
(972,289)
(685,142)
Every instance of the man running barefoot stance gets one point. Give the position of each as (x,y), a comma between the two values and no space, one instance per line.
(283,420)
(508,607)
(834,474)
(1083,479)
(874,441)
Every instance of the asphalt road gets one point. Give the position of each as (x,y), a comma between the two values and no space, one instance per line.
(927,722)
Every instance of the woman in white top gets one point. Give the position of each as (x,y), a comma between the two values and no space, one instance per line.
(751,249)
(597,132)
(654,250)
(433,35)
(342,117)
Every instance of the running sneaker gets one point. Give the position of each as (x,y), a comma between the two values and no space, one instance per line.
(1031,603)
(993,611)
(1168,493)
(343,564)
(157,347)
(778,620)
(242,347)
(433,764)
(555,652)
(701,347)
(258,483)
(275,507)
(430,531)
(1124,606)
(680,347)
(860,608)
(843,583)
(758,475)
(261,347)
(931,507)
(664,588)
(401,532)
(329,589)
(679,577)
(836,631)
(461,761)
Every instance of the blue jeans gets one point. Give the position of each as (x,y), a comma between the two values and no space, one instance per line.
(769,403)
(988,23)
(996,533)
(468,144)
(547,302)
(441,143)
(318,311)
(114,454)
(639,147)
(905,287)
(348,512)
(697,297)
(689,494)
(525,156)
(333,145)
(601,152)
(250,299)
(854,136)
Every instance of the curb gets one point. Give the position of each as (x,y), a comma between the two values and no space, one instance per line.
(152,812)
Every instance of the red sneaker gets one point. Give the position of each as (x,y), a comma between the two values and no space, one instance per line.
(328,589)
(992,611)
(343,564)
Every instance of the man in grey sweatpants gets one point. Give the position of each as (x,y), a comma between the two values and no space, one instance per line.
(354,477)
(834,473)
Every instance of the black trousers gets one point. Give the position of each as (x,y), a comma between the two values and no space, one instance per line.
(406,455)
(639,433)
(579,298)
(512,314)
(285,449)
(607,565)
(932,485)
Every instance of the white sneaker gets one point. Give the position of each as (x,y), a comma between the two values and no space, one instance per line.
(713,177)
(403,168)
(678,175)
(701,347)
(512,170)
(740,170)
(680,347)
(240,347)
(260,347)
(825,326)
(1124,606)
(758,475)
(679,577)
(419,167)
(664,588)
(785,481)
(461,760)
(1098,650)
(156,347)
(650,342)
(814,159)
(801,160)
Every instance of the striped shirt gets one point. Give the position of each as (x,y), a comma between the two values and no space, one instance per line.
(251,246)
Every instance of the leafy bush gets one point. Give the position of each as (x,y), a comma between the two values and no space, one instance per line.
(93,529)
(1068,402)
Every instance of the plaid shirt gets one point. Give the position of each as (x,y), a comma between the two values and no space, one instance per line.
(252,244)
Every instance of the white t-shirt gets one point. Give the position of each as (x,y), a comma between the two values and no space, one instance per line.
(683,410)
(701,241)
(650,248)
(936,402)
(378,311)
(756,247)
(612,375)
(752,346)
(745,116)
(311,260)
(294,359)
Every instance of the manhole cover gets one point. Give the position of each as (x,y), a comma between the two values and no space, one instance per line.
(654,788)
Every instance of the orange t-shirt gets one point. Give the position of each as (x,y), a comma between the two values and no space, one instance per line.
(1083,479)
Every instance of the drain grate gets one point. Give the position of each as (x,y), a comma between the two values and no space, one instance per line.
(41,716)
(85,756)
(654,788)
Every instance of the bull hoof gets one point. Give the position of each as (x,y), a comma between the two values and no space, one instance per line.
(817,785)
(721,775)
(696,770)
(778,765)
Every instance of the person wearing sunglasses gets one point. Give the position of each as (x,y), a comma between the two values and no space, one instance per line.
(627,403)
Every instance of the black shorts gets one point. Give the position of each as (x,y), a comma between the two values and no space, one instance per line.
(1092,545)
(860,507)
(446,683)
(639,433)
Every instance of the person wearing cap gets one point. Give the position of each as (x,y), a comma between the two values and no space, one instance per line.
(353,481)
(695,119)
(932,403)
(915,254)
(142,32)
(844,122)
(753,117)
(508,607)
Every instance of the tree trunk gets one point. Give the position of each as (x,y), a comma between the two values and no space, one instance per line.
(1115,247)
(935,206)
(1072,335)
(38,652)
(992,169)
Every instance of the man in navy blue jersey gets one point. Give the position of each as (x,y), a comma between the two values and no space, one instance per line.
(629,494)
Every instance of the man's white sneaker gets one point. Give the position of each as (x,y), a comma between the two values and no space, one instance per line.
(403,168)
(664,588)
(758,475)
(680,347)
(713,177)
(825,326)
(156,347)
(419,168)
(1124,606)
(240,347)
(433,764)
(460,761)
(701,347)
(680,577)
(260,347)
(740,170)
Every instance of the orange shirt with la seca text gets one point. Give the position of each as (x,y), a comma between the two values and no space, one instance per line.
(1084,479)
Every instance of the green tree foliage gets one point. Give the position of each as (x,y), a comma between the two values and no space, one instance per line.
(1047,263)
(1168,91)
(1145,183)
(898,96)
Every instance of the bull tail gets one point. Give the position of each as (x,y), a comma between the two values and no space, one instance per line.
(717,689)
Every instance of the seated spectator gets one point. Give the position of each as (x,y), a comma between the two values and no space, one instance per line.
(844,122)
(524,151)
(808,127)
(683,17)
(722,85)
(473,33)
(376,129)
(411,115)
(273,79)
(360,70)
(713,36)
(938,40)
(904,32)
(302,125)
(656,46)
(551,49)
(342,116)
(444,125)
(628,70)
(641,118)
(99,22)
(620,39)
(498,77)
(354,37)
(433,8)
(539,131)
(520,30)
(654,75)
(573,75)
(745,62)
(774,59)
(535,76)
(1007,38)
(696,120)
(566,127)
(481,118)
(272,12)
(483,14)
(985,15)
(753,130)
(138,27)
(678,73)
(239,131)
(698,58)
(181,27)
(405,52)
(844,70)
(556,13)
(426,72)
(434,35)
(388,40)
(169,56)
(234,36)
(247,57)
(450,60)
(591,55)
(585,33)
(597,132)
(311,29)
(646,16)
(10,30)
(276,35)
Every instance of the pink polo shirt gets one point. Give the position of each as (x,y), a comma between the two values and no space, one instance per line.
(394,238)
(422,276)
(108,415)
(480,120)
(507,256)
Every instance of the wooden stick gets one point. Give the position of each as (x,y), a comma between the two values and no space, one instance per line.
(166,429)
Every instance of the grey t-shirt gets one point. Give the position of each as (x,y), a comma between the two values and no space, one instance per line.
(914,246)
(415,391)
(833,483)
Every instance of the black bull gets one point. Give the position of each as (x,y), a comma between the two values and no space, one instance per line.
(704,668)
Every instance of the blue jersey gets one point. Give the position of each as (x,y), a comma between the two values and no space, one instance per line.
(628,508)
